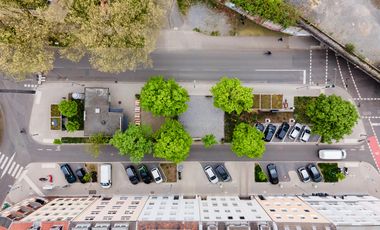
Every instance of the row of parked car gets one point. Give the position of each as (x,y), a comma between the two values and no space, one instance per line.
(303,132)
(70,176)
(143,174)
(306,174)
(219,173)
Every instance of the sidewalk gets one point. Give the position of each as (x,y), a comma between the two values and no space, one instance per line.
(362,179)
(124,93)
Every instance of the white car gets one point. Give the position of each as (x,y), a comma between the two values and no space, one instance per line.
(305,136)
(304,175)
(211,174)
(156,175)
(295,131)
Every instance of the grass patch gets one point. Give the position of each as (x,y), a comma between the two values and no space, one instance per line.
(277,101)
(170,171)
(256,101)
(80,140)
(278,117)
(232,119)
(55,123)
(265,101)
(79,116)
(260,175)
(54,111)
(300,105)
(331,172)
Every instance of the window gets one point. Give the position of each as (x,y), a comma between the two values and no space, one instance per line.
(242,217)
(272,210)
(111,212)
(107,218)
(307,210)
(135,202)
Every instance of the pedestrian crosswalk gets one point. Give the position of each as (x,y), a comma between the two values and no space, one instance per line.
(9,167)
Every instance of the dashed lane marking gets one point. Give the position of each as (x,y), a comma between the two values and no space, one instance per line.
(327,65)
(340,72)
(367,99)
(370,117)
(310,67)
(353,80)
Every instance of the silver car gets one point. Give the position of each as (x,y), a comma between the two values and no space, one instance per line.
(295,131)
(304,175)
(305,136)
(211,174)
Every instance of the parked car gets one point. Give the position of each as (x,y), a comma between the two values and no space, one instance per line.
(260,127)
(132,174)
(80,174)
(273,174)
(68,172)
(222,172)
(295,131)
(269,132)
(306,133)
(156,175)
(145,174)
(211,174)
(314,172)
(332,154)
(304,175)
(284,128)
(106,175)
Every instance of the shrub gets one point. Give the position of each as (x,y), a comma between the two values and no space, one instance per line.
(349,47)
(215,33)
(57,141)
(68,108)
(260,175)
(72,126)
(87,177)
(209,140)
(331,172)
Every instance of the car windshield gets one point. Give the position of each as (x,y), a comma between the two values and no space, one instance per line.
(213,177)
(314,171)
(273,173)
(304,174)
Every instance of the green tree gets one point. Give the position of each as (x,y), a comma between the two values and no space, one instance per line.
(68,108)
(247,141)
(230,95)
(331,117)
(72,126)
(97,140)
(209,140)
(172,142)
(163,97)
(119,35)
(136,141)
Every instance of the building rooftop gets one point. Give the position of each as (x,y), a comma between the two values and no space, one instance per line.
(98,116)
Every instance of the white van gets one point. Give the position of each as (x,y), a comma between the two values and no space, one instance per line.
(105,175)
(332,154)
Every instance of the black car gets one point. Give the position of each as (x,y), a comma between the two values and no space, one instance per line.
(145,174)
(273,174)
(222,172)
(69,175)
(269,132)
(80,174)
(314,173)
(132,174)
(260,127)
(284,128)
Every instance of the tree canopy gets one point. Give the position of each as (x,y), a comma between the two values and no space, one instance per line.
(172,142)
(331,117)
(248,141)
(72,126)
(68,108)
(231,96)
(118,35)
(163,97)
(136,141)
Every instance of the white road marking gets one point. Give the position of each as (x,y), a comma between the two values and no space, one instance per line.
(375,124)
(327,65)
(49,149)
(1,158)
(19,172)
(310,67)
(11,168)
(15,170)
(370,117)
(5,161)
(367,99)
(9,163)
(373,130)
(353,80)
(340,72)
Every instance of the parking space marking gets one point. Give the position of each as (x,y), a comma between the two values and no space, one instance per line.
(327,65)
(353,80)
(340,72)
(310,67)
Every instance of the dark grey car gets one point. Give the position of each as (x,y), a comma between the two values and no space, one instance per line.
(222,172)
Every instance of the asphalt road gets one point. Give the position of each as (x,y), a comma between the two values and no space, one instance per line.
(283,66)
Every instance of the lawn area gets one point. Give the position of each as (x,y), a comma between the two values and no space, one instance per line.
(231,120)
(277,101)
(300,105)
(54,112)
(79,116)
(331,172)
(170,171)
(55,123)
(260,175)
(278,117)
(256,101)
(266,101)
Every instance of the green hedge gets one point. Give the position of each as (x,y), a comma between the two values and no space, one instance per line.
(79,140)
(260,175)
(331,172)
